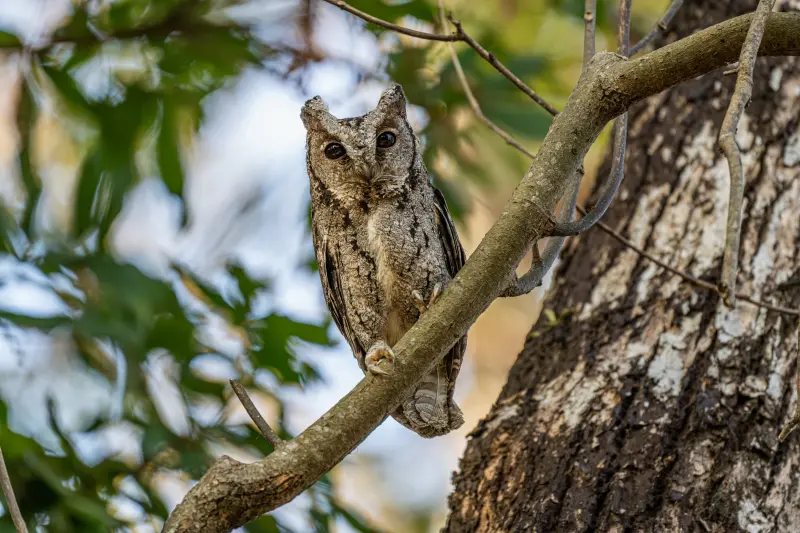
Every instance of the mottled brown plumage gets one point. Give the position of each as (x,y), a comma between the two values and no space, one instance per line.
(385,244)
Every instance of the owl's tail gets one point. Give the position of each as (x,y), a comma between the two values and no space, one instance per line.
(431,410)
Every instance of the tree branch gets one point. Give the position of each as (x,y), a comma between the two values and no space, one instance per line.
(11,500)
(394,27)
(459,35)
(589,20)
(727,141)
(476,107)
(488,56)
(660,27)
(231,493)
(542,263)
(255,416)
(617,172)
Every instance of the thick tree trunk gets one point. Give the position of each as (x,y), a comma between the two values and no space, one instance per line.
(651,407)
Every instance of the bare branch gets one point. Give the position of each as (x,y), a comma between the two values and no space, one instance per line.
(11,500)
(794,422)
(727,141)
(231,493)
(615,176)
(620,144)
(255,416)
(394,27)
(660,27)
(476,107)
(488,56)
(460,35)
(624,28)
(542,263)
(589,31)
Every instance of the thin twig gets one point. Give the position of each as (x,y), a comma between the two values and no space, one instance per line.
(11,500)
(488,56)
(659,28)
(624,28)
(795,420)
(255,416)
(589,31)
(688,277)
(459,35)
(394,27)
(476,108)
(727,141)
(620,144)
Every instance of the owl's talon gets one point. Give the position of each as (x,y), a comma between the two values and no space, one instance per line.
(419,301)
(437,291)
(375,356)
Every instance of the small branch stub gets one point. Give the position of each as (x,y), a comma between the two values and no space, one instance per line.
(255,416)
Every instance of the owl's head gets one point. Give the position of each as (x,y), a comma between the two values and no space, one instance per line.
(371,156)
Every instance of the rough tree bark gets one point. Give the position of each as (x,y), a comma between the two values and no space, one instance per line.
(652,407)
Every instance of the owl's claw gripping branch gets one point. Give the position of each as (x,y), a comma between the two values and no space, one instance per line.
(376,355)
(419,301)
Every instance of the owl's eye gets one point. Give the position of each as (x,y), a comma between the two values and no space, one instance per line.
(386,139)
(334,151)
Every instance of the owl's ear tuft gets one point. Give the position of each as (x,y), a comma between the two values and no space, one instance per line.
(314,112)
(393,100)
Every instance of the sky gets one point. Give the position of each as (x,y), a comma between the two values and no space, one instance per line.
(252,143)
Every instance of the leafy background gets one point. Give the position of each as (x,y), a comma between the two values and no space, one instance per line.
(154,233)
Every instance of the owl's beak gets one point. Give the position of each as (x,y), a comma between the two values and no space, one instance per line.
(365,170)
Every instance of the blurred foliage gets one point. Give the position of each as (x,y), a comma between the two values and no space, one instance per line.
(160,60)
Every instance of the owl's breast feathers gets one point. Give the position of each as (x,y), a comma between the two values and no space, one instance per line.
(372,260)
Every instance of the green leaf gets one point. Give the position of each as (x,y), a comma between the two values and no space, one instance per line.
(201,62)
(106,176)
(264,524)
(168,151)
(110,170)
(76,26)
(274,334)
(68,90)
(38,322)
(26,118)
(418,9)
(156,438)
(9,231)
(9,40)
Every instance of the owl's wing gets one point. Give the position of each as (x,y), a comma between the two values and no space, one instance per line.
(329,271)
(453,251)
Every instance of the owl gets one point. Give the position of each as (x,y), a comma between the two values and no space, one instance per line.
(385,244)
